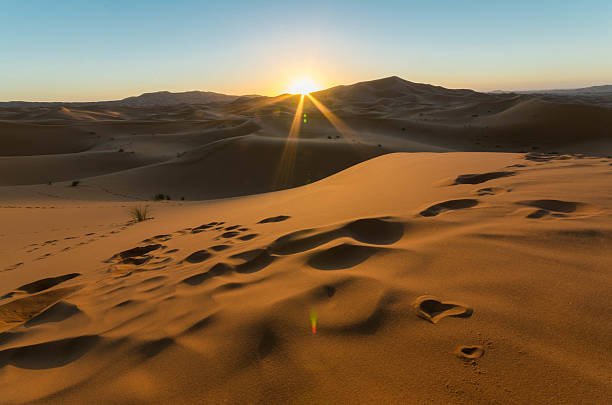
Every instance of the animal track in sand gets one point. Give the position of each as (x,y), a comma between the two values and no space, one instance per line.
(450,205)
(481,177)
(470,352)
(278,218)
(433,309)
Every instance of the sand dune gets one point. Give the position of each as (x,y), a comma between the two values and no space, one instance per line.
(413,256)
(222,292)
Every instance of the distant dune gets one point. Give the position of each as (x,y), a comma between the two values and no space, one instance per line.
(409,244)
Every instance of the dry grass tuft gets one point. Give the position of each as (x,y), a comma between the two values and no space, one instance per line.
(140,213)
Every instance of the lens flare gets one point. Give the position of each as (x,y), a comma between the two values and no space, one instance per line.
(313,321)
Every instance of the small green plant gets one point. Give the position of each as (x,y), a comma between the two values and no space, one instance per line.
(75,183)
(140,213)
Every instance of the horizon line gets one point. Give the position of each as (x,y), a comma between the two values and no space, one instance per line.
(543,90)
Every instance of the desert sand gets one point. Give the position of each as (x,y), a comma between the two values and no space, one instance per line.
(436,247)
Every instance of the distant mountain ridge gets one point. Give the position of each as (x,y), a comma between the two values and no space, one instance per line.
(162,98)
(158,98)
(388,88)
(592,90)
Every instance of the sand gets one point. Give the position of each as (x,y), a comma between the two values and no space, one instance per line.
(438,270)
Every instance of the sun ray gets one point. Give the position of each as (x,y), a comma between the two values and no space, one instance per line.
(338,123)
(260,104)
(287,161)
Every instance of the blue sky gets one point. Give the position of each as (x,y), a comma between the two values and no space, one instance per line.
(96,50)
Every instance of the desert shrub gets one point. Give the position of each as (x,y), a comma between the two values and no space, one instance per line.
(74,183)
(139,213)
(161,197)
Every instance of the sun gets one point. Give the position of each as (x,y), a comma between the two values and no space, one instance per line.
(304,85)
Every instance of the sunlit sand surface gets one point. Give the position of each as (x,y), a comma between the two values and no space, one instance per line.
(386,242)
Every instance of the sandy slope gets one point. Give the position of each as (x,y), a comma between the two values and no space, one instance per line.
(214,306)
(476,275)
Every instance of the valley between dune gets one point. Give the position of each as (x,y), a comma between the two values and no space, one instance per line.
(436,247)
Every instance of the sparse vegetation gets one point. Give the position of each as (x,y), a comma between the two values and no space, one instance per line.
(161,197)
(140,213)
(74,183)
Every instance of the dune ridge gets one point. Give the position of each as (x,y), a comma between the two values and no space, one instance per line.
(448,247)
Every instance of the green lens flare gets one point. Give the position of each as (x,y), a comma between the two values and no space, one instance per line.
(313,321)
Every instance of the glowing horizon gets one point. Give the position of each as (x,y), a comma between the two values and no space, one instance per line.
(304,85)
(57,51)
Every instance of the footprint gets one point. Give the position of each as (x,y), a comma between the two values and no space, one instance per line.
(230,234)
(448,206)
(137,251)
(376,231)
(554,205)
(47,355)
(158,238)
(202,228)
(341,257)
(45,283)
(58,312)
(216,270)
(470,352)
(12,267)
(254,260)
(489,191)
(23,309)
(433,309)
(538,214)
(249,236)
(198,257)
(278,218)
(481,177)
(137,259)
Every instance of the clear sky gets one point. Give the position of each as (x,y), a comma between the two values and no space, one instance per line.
(77,50)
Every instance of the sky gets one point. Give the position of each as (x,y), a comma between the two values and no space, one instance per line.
(77,50)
